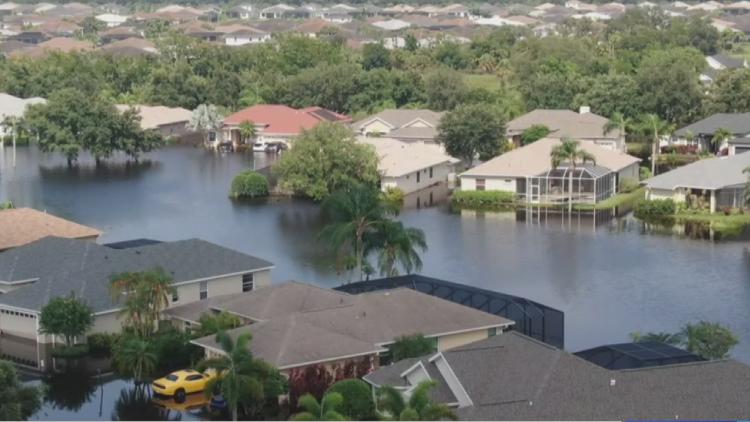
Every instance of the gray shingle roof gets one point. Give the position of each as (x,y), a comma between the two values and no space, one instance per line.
(511,376)
(397,118)
(711,173)
(83,267)
(737,123)
(564,123)
(728,62)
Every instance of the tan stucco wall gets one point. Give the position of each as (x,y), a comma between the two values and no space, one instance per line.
(107,323)
(455,340)
(375,127)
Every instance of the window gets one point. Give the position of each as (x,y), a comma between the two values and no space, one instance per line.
(418,174)
(247,282)
(430,172)
(175,296)
(194,377)
(203,291)
(492,332)
(480,184)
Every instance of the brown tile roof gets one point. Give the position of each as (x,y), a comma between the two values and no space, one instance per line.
(25,225)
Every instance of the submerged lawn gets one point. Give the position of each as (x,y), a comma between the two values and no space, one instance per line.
(615,201)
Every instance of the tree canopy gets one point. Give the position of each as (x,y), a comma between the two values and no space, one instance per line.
(67,317)
(325,159)
(472,130)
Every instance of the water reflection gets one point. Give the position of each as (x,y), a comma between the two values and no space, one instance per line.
(69,390)
(135,404)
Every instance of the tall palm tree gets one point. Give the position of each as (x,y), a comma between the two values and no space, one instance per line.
(135,356)
(618,122)
(353,214)
(247,130)
(146,294)
(241,375)
(418,407)
(328,409)
(720,136)
(396,246)
(569,151)
(654,126)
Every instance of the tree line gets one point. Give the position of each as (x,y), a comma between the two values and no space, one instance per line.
(643,62)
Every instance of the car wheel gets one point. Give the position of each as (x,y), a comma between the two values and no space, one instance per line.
(179,395)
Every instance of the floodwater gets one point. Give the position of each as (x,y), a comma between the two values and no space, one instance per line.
(611,276)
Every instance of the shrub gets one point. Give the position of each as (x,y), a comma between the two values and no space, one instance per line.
(393,196)
(249,184)
(100,344)
(358,402)
(71,352)
(412,346)
(628,185)
(173,349)
(489,199)
(645,173)
(655,208)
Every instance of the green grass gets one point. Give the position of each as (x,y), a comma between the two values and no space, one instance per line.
(615,201)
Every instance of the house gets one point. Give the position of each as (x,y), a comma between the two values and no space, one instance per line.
(276,12)
(402,124)
(513,377)
(701,132)
(132,46)
(296,326)
(719,62)
(30,37)
(119,33)
(715,183)
(236,35)
(410,166)
(169,122)
(11,106)
(33,274)
(20,226)
(391,24)
(58,44)
(275,123)
(112,20)
(583,126)
(527,171)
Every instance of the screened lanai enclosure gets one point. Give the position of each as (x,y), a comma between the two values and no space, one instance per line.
(591,184)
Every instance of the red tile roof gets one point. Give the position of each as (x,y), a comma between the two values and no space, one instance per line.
(280,119)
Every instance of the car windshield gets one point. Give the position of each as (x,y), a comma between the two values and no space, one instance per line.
(172,377)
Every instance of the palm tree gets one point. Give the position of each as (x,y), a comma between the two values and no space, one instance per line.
(396,245)
(618,122)
(135,356)
(720,136)
(354,213)
(328,409)
(247,130)
(570,151)
(241,375)
(146,295)
(655,127)
(418,407)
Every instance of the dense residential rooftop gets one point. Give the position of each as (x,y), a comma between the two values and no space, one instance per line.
(20,226)
(54,266)
(710,173)
(513,377)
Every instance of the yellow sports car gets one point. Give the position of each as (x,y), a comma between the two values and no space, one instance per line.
(179,383)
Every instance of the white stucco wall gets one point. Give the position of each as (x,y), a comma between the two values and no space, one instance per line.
(507,184)
(408,183)
(675,195)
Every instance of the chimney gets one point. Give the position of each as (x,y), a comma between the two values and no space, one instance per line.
(584,110)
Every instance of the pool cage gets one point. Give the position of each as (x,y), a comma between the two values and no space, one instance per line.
(591,184)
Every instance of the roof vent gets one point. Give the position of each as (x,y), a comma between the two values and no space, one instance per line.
(612,382)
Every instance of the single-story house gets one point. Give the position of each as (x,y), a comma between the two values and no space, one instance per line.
(296,325)
(720,182)
(703,130)
(129,47)
(11,106)
(514,377)
(275,123)
(717,63)
(170,122)
(584,126)
(409,166)
(19,226)
(51,267)
(401,124)
(111,19)
(236,35)
(528,172)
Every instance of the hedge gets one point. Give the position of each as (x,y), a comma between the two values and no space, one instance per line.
(488,199)
(249,184)
(655,208)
